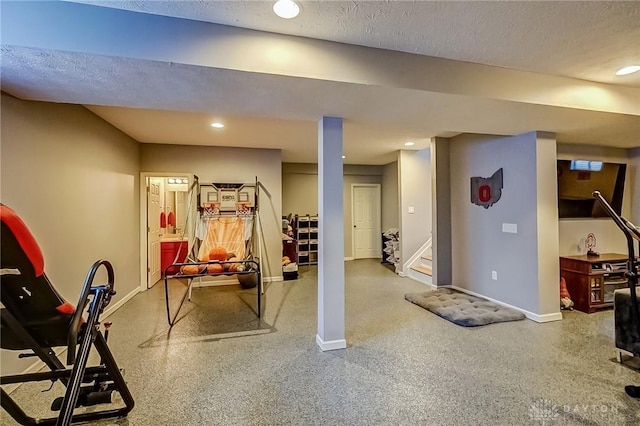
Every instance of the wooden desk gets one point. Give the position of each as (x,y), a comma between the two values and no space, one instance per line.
(591,281)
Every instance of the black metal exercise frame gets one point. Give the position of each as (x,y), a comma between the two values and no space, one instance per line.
(88,333)
(630,232)
(251,263)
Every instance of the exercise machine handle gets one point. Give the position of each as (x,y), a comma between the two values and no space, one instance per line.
(631,233)
(72,337)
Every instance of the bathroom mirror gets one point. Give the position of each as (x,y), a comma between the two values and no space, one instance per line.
(175,201)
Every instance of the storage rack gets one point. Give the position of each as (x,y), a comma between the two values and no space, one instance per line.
(391,247)
(306,233)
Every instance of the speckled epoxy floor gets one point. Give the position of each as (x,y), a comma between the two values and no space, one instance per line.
(403,365)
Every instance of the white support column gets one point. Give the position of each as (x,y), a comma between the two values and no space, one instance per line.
(330,236)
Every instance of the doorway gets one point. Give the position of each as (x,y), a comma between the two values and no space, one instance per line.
(365,208)
(154,229)
(157,196)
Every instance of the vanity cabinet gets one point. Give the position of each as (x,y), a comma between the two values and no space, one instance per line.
(168,252)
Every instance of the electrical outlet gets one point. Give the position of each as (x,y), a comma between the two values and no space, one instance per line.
(494,275)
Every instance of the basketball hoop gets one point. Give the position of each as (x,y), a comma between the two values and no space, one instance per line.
(210,209)
(243,209)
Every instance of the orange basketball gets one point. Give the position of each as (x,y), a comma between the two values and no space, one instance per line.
(190,270)
(218,253)
(215,268)
(205,258)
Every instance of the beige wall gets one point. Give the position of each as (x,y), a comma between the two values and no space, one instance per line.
(299,188)
(300,191)
(73,178)
(390,200)
(236,165)
(547,222)
(634,174)
(414,174)
(573,232)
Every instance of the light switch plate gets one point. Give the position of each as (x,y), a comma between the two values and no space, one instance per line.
(412,210)
(511,228)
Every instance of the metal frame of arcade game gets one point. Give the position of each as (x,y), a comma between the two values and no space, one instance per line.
(218,201)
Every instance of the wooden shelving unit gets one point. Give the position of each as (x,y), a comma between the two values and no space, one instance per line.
(591,281)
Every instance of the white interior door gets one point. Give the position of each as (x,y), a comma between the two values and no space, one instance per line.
(153,231)
(366,220)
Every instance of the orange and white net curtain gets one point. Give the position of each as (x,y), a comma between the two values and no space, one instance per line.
(233,233)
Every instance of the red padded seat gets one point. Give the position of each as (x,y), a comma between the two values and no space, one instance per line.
(25,289)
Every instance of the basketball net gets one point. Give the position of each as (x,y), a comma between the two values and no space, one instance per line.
(211,210)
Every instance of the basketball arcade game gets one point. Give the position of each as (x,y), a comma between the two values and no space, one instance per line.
(222,226)
(631,233)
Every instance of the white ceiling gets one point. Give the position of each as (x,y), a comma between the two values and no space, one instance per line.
(168,87)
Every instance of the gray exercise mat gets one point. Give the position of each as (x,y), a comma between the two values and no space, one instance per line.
(463,309)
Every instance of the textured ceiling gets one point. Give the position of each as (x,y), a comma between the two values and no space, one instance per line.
(583,39)
(162,80)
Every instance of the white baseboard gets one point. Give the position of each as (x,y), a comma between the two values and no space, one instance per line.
(114,307)
(59,351)
(557,316)
(346,259)
(330,345)
(272,279)
(420,277)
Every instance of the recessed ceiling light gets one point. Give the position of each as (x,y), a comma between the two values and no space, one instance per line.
(628,70)
(286,9)
(217,125)
(409,143)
